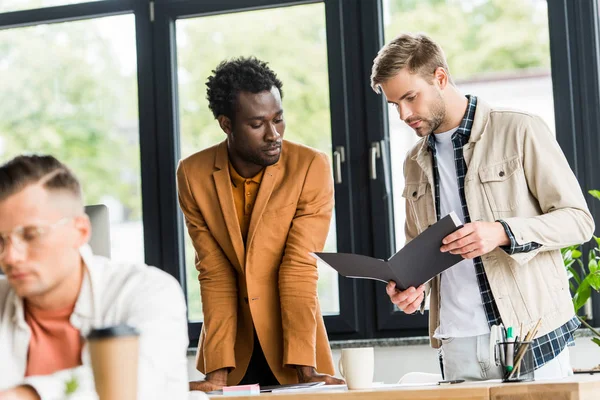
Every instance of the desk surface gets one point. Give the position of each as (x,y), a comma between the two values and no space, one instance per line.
(474,391)
(578,387)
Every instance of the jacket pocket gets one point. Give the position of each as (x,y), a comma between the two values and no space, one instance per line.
(288,211)
(504,184)
(420,198)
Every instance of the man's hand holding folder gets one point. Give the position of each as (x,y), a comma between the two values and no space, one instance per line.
(412,266)
(476,239)
(470,241)
(408,300)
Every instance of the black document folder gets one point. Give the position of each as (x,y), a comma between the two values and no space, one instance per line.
(414,264)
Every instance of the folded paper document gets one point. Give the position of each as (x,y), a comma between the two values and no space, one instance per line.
(414,264)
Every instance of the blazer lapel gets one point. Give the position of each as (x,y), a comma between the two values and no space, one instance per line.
(223,185)
(262,199)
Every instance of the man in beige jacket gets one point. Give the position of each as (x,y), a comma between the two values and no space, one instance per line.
(503,170)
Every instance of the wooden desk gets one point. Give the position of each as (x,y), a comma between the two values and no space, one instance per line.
(578,387)
(476,391)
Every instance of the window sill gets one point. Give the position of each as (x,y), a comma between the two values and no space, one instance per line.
(583,333)
(398,342)
(383,342)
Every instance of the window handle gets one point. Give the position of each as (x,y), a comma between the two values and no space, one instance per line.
(374,154)
(339,157)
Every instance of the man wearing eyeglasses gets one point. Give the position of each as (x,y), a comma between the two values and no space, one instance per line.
(55,291)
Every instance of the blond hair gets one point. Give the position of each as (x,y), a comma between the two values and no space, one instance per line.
(44,170)
(417,52)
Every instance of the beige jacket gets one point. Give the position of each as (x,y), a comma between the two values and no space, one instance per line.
(516,172)
(112,293)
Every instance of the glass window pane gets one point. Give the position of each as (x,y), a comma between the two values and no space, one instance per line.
(298,54)
(487,55)
(70,90)
(18,5)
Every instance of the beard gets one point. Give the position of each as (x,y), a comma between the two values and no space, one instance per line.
(433,122)
(260,158)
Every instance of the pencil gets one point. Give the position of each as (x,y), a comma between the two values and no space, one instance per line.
(522,349)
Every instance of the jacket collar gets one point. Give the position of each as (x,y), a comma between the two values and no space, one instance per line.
(466,125)
(479,123)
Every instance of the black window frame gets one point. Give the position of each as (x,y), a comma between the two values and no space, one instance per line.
(354,31)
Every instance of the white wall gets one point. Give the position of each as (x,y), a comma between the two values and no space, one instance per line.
(393,362)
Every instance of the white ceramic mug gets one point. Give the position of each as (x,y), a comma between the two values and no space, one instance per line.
(357,366)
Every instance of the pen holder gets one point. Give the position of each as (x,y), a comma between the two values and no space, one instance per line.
(521,367)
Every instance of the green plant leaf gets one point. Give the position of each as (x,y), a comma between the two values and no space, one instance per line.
(594,280)
(570,252)
(597,239)
(595,193)
(593,265)
(575,275)
(596,340)
(583,293)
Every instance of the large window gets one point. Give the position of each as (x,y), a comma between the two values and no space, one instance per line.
(17,5)
(116,89)
(70,90)
(202,43)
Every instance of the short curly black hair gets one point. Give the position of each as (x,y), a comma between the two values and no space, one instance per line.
(242,74)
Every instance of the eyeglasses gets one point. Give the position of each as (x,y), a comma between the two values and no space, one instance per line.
(24,236)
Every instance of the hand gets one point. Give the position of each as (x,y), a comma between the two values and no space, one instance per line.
(408,300)
(20,393)
(213,381)
(309,374)
(475,239)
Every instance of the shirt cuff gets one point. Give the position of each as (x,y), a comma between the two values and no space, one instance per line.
(514,247)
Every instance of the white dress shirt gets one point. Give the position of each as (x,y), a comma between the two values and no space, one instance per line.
(112,293)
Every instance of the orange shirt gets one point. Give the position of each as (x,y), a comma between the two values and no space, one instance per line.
(244,194)
(55,344)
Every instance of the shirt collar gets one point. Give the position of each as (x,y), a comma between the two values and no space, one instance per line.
(237,179)
(464,129)
(84,306)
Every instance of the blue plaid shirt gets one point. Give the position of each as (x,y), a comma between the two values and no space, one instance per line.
(544,348)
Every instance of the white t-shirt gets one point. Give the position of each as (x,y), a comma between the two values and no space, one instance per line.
(461,308)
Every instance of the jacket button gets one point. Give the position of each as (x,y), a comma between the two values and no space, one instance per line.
(501,174)
(414,194)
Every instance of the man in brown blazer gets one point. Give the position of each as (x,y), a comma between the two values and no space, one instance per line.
(255,207)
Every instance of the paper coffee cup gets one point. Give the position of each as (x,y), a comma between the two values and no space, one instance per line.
(114,355)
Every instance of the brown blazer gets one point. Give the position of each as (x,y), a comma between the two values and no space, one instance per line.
(271,283)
